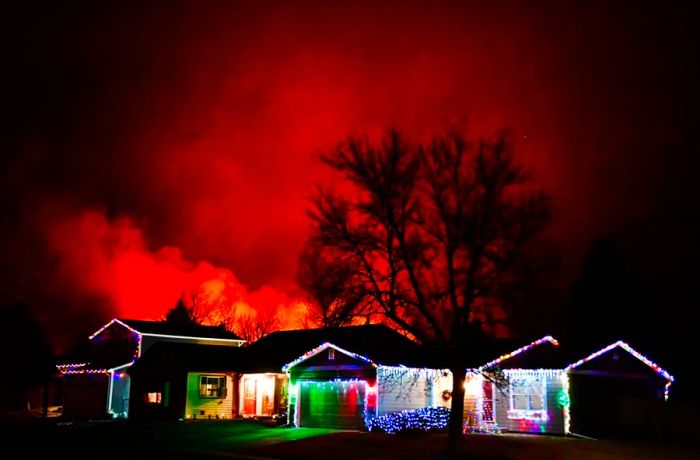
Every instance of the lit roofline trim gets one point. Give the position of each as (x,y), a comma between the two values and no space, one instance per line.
(168,336)
(324,346)
(658,369)
(500,359)
(655,367)
(116,320)
(123,366)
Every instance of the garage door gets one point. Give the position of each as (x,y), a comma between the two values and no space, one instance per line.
(332,404)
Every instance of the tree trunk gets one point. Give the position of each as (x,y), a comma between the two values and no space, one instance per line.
(455,428)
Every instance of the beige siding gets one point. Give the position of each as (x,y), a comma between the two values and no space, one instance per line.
(206,408)
(401,389)
(555,412)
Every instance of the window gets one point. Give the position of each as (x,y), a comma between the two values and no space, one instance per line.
(528,399)
(331,354)
(153,398)
(212,386)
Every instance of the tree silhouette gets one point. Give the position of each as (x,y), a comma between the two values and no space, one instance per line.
(25,354)
(182,315)
(253,327)
(327,278)
(433,233)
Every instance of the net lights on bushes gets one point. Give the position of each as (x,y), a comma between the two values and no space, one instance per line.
(655,367)
(424,419)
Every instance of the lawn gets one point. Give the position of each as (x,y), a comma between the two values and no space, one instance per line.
(352,446)
(243,439)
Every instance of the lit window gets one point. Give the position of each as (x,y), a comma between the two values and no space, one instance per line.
(153,398)
(528,399)
(212,386)
(331,353)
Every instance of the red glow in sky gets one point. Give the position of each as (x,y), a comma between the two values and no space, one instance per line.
(180,141)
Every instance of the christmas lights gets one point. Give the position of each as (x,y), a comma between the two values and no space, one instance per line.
(167,336)
(424,419)
(656,368)
(114,320)
(521,374)
(319,349)
(502,358)
(526,414)
(71,366)
(565,401)
(85,371)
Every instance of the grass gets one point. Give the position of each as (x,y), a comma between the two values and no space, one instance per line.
(208,439)
(351,446)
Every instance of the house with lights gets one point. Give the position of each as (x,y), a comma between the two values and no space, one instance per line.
(96,383)
(541,389)
(178,381)
(174,380)
(309,375)
(536,388)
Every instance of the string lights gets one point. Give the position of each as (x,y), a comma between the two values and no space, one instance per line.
(655,367)
(319,349)
(547,338)
(424,419)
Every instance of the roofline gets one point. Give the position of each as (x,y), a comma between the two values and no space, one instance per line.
(123,366)
(324,346)
(500,359)
(114,320)
(147,334)
(655,367)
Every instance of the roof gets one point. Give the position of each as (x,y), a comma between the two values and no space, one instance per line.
(543,353)
(376,342)
(166,328)
(178,356)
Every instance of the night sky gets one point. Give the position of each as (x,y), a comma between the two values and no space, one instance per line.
(149,149)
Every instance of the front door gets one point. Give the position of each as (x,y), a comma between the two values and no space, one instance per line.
(249,391)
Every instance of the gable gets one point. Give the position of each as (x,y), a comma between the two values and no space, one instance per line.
(323,356)
(619,357)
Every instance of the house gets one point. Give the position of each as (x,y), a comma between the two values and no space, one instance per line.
(546,391)
(323,383)
(525,390)
(95,382)
(178,381)
(628,386)
(536,388)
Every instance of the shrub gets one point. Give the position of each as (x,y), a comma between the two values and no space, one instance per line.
(424,419)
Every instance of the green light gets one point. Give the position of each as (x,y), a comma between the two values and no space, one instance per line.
(563,398)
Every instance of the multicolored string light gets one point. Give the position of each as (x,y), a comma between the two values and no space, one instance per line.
(319,349)
(114,320)
(655,367)
(86,371)
(513,353)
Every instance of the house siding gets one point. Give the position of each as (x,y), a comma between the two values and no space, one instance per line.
(401,389)
(555,423)
(208,408)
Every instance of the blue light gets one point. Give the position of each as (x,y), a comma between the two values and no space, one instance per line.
(424,419)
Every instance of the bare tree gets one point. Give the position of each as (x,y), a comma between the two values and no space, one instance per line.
(433,234)
(252,327)
(327,278)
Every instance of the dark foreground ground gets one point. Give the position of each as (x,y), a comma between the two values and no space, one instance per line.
(249,440)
